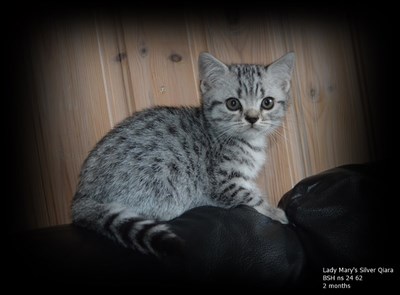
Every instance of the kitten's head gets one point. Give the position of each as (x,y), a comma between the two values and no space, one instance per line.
(245,100)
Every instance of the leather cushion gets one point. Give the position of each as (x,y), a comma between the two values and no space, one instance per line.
(336,218)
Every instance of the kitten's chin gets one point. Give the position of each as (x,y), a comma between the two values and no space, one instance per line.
(253,132)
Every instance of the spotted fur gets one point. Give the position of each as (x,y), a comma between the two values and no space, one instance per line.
(163,161)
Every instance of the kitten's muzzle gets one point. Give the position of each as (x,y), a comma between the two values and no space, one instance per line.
(251,120)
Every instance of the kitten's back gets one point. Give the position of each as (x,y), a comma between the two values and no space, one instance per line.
(159,152)
(152,166)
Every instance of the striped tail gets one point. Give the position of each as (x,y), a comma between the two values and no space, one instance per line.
(124,226)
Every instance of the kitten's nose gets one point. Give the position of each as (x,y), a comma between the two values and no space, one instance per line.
(251,120)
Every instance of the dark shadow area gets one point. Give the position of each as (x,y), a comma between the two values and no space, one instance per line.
(69,254)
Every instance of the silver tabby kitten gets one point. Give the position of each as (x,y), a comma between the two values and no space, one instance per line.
(163,161)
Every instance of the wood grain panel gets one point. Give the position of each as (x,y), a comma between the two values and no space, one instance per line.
(70,109)
(31,204)
(329,101)
(86,76)
(195,29)
(160,61)
(111,57)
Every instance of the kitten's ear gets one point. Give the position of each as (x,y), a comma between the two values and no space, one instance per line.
(282,70)
(210,69)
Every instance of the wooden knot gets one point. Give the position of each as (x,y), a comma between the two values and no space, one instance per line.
(175,57)
(121,56)
(143,51)
(314,95)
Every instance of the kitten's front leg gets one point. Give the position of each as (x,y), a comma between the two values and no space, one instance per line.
(245,193)
(256,201)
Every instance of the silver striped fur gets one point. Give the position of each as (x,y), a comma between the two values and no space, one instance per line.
(163,161)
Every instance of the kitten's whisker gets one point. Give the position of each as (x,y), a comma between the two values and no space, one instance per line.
(277,134)
(271,124)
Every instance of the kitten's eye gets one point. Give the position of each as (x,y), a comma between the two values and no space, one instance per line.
(233,104)
(268,103)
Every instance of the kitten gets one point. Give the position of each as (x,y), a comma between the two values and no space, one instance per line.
(163,161)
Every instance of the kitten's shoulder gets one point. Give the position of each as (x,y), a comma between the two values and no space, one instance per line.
(157,116)
(161,111)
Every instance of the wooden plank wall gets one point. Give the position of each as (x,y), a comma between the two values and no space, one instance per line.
(87,75)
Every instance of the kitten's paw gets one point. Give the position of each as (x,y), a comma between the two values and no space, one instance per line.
(274,213)
(277,214)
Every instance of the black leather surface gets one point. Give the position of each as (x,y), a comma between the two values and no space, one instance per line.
(71,255)
(337,218)
(333,214)
(343,218)
(238,245)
